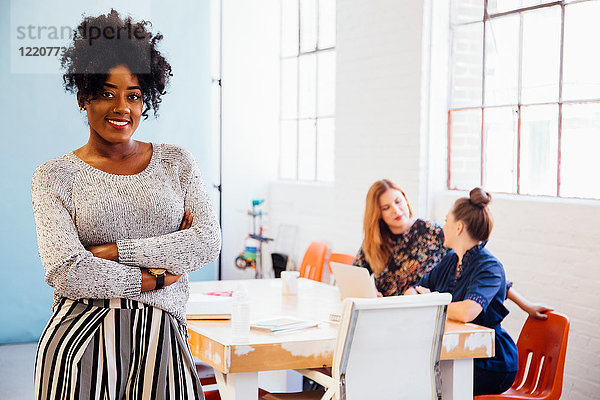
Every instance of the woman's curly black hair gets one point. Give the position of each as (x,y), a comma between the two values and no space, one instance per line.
(104,42)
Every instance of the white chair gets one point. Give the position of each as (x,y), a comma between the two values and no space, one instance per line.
(387,348)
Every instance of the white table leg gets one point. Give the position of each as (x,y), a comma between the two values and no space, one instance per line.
(280,381)
(457,379)
(241,386)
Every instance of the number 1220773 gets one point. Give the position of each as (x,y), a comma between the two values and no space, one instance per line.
(46,51)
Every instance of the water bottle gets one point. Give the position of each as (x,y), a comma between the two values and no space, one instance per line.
(240,314)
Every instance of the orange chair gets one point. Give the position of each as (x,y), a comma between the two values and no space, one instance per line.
(206,374)
(313,260)
(340,258)
(545,342)
(212,395)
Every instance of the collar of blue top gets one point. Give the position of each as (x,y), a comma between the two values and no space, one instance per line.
(466,260)
(472,253)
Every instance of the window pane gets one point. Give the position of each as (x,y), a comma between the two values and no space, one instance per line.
(308,25)
(327,23)
(326,82)
(581,79)
(289,88)
(499,6)
(289,28)
(325,149)
(539,149)
(465,149)
(541,55)
(500,166)
(580,142)
(505,5)
(307,150)
(502,60)
(288,150)
(467,65)
(308,83)
(462,11)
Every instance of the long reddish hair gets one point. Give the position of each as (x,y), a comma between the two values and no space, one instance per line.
(376,243)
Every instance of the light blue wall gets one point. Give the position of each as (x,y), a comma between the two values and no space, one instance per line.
(40,121)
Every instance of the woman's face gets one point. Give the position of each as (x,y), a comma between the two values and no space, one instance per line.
(394,211)
(450,231)
(115,114)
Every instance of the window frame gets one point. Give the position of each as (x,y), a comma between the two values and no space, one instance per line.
(297,118)
(486,18)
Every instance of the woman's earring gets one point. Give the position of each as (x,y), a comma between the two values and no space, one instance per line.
(81,108)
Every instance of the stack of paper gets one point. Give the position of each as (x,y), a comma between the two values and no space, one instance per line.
(208,306)
(283,324)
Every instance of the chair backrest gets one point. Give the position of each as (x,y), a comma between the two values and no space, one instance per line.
(390,346)
(313,260)
(340,258)
(542,349)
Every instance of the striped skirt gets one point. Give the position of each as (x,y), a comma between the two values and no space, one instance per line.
(114,349)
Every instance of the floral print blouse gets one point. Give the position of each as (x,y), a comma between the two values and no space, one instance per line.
(413,255)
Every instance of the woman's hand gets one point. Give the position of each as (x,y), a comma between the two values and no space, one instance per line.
(416,290)
(537,310)
(422,290)
(107,251)
(149,280)
(186,223)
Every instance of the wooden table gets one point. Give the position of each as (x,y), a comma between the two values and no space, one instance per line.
(238,361)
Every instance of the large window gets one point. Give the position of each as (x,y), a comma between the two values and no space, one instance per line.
(307,90)
(524,114)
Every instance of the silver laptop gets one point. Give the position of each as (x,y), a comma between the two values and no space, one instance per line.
(353,281)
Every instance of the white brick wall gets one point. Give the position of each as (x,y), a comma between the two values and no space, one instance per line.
(549,247)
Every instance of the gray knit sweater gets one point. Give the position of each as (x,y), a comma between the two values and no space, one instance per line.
(76,205)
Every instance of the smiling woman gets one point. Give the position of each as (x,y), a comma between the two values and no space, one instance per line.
(120,224)
(113,117)
(90,57)
(121,97)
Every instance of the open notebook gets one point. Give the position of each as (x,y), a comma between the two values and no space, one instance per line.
(282,324)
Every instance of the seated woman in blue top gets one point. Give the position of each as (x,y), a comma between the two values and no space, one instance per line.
(476,280)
